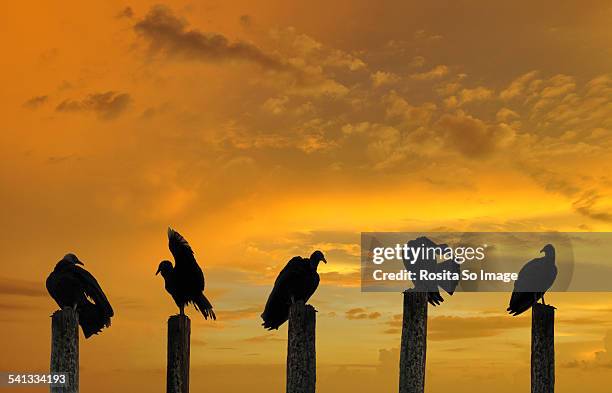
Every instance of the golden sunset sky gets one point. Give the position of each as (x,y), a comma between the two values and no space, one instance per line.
(263,130)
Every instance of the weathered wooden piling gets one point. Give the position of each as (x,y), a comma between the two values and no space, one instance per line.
(414,343)
(542,349)
(177,375)
(301,353)
(65,349)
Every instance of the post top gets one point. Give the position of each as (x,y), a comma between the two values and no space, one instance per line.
(178,317)
(64,311)
(544,307)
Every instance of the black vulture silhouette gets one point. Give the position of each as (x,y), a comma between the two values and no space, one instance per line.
(534,279)
(297,281)
(185,280)
(72,286)
(431,265)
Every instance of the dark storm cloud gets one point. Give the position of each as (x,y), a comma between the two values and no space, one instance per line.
(12,286)
(108,105)
(35,102)
(169,35)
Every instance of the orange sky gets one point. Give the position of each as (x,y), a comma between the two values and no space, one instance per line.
(264,130)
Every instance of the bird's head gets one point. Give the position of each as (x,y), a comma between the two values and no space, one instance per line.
(548,250)
(317,257)
(164,268)
(72,259)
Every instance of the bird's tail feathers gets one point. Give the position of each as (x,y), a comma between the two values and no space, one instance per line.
(434,298)
(92,319)
(202,304)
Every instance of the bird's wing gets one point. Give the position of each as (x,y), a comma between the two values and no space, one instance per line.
(521,302)
(291,270)
(93,290)
(276,310)
(180,249)
(311,286)
(450,265)
(285,281)
(533,277)
(52,286)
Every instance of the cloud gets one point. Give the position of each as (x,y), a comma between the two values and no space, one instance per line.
(169,35)
(35,102)
(11,286)
(601,359)
(381,78)
(243,313)
(127,12)
(352,279)
(361,313)
(505,114)
(417,61)
(412,115)
(447,328)
(553,181)
(108,105)
(14,307)
(424,35)
(479,93)
(246,20)
(264,338)
(465,96)
(517,86)
(558,85)
(587,206)
(472,136)
(276,105)
(435,73)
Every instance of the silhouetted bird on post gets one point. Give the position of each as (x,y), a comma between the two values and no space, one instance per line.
(185,280)
(534,279)
(297,281)
(431,265)
(72,286)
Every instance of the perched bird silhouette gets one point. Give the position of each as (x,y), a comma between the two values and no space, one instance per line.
(430,264)
(185,280)
(534,279)
(72,286)
(297,281)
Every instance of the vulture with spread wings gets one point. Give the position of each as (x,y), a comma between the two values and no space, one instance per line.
(297,281)
(431,265)
(72,286)
(185,280)
(534,279)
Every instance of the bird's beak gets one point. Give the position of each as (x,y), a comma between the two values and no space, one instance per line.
(542,250)
(324,260)
(79,263)
(157,272)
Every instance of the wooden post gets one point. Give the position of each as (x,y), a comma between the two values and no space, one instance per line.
(177,376)
(542,349)
(414,343)
(301,353)
(65,348)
